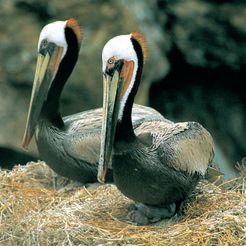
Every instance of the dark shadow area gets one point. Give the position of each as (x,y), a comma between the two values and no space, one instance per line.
(9,158)
(213,97)
(38,9)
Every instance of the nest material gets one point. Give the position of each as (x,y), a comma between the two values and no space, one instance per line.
(39,208)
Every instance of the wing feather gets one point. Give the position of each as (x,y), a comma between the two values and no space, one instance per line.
(185,146)
(84,129)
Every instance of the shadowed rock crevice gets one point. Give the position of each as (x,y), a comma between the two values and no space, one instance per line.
(213,97)
(39,9)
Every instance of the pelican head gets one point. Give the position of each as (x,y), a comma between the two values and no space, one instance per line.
(122,61)
(58,41)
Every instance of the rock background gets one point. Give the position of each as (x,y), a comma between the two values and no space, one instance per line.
(194,71)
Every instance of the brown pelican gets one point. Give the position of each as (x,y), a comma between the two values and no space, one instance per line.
(70,145)
(158,164)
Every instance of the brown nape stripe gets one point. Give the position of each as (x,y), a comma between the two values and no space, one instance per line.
(124,129)
(138,49)
(73,24)
(142,42)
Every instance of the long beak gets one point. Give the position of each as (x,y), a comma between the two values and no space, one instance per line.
(113,90)
(47,65)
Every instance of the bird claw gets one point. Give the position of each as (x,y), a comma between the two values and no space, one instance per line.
(137,217)
(143,214)
(92,186)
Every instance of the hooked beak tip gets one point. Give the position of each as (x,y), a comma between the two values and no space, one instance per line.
(24,145)
(101,174)
(101,177)
(25,141)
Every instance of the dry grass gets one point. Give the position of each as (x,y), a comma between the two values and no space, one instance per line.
(33,212)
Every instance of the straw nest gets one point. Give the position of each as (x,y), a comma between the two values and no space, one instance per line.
(39,208)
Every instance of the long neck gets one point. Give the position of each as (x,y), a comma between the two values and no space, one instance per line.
(51,107)
(124,128)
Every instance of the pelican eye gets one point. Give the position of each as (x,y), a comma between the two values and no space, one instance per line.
(111,61)
(110,65)
(44,43)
